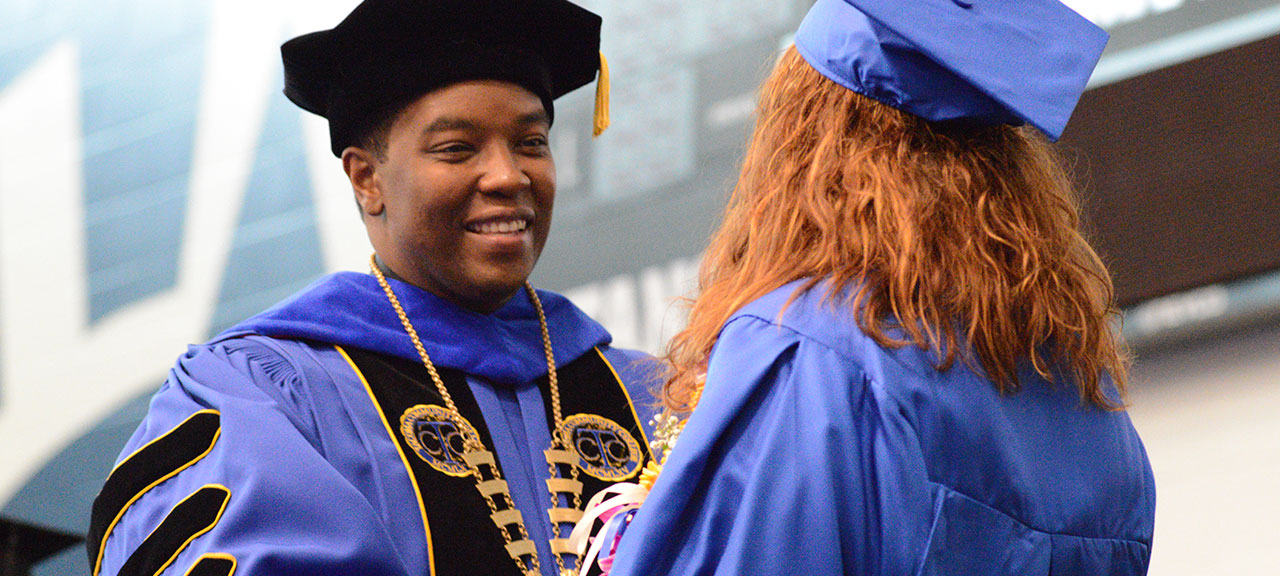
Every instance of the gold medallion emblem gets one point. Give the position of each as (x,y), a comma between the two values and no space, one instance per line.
(434,437)
(605,449)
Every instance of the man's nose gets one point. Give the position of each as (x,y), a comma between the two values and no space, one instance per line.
(503,173)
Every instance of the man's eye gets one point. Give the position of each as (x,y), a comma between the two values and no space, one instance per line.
(536,142)
(452,150)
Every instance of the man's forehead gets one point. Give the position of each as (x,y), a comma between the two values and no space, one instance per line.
(473,104)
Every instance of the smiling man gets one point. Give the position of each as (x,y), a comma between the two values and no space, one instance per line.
(458,199)
(438,415)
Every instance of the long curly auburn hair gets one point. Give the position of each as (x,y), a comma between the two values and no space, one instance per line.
(963,240)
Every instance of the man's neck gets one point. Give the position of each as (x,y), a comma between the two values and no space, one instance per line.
(486,310)
(387,271)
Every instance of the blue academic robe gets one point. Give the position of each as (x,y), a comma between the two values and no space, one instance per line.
(816,451)
(283,462)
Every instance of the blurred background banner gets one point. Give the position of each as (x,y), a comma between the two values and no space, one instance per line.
(156,187)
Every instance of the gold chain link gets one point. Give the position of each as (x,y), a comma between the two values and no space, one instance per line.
(558,439)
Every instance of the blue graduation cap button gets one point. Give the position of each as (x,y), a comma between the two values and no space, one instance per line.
(991,62)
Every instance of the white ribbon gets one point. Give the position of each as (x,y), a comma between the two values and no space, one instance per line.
(611,501)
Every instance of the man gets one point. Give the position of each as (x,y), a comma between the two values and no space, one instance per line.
(438,416)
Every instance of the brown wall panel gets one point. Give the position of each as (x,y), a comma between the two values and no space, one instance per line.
(1180,171)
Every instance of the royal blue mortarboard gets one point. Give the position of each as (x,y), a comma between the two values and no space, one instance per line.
(982,61)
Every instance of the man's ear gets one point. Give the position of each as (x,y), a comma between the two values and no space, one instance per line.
(361,167)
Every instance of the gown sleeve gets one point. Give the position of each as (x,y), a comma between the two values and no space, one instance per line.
(229,473)
(781,470)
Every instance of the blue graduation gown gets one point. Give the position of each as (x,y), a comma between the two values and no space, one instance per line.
(316,484)
(816,451)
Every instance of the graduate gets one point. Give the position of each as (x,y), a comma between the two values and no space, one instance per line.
(907,346)
(437,415)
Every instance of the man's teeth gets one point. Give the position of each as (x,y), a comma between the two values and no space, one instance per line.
(502,227)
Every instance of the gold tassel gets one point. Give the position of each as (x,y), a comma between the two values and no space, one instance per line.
(602,98)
